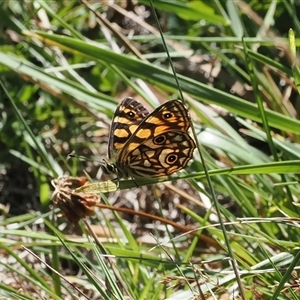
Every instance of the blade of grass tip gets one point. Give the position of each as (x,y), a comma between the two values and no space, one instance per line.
(31,162)
(296,71)
(268,19)
(264,119)
(236,22)
(212,192)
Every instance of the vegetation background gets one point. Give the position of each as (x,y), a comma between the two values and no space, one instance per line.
(227,226)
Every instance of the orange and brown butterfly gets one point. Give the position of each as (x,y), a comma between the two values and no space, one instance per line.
(149,145)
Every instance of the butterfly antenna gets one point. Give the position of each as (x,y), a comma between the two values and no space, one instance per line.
(81,158)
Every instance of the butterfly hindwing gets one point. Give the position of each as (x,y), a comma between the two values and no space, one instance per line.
(160,156)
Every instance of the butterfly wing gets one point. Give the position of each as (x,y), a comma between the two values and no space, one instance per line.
(172,154)
(128,115)
(160,145)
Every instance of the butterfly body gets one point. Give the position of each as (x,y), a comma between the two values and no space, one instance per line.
(149,145)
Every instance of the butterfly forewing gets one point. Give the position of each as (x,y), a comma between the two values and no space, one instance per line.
(160,144)
(172,115)
(128,115)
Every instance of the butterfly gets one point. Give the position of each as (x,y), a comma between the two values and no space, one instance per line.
(149,145)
